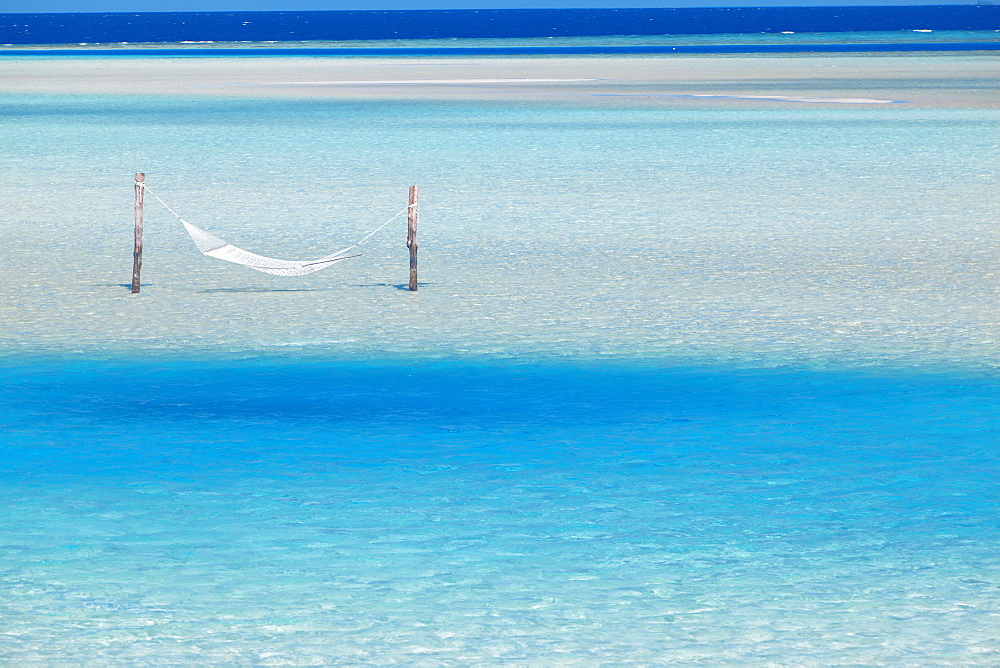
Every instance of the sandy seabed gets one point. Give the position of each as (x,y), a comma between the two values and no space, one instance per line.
(796,207)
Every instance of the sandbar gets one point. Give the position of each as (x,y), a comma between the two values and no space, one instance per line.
(934,79)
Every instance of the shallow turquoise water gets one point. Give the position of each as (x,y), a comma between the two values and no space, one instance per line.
(708,384)
(765,231)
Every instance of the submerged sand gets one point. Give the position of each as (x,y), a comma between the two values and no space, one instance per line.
(837,208)
(938,79)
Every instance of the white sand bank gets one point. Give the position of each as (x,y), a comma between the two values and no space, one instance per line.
(933,79)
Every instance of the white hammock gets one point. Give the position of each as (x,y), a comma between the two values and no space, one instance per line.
(213,246)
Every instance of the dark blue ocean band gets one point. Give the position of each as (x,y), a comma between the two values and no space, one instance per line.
(505,50)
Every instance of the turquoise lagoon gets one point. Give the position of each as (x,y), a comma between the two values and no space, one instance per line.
(701,384)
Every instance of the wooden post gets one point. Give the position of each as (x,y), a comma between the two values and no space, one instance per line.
(140,179)
(411,236)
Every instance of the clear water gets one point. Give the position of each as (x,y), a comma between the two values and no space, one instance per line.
(308,512)
(414,47)
(787,37)
(623,226)
(704,384)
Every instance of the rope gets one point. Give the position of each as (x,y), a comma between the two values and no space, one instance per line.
(146,188)
(377,229)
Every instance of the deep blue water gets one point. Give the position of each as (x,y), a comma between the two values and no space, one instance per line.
(59,415)
(921,441)
(493,23)
(922,445)
(310,511)
(936,413)
(506,50)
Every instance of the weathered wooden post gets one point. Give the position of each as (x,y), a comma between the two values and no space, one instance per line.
(140,179)
(411,236)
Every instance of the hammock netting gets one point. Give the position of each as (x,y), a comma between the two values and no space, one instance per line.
(213,246)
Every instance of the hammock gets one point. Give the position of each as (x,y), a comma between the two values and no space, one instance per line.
(213,246)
